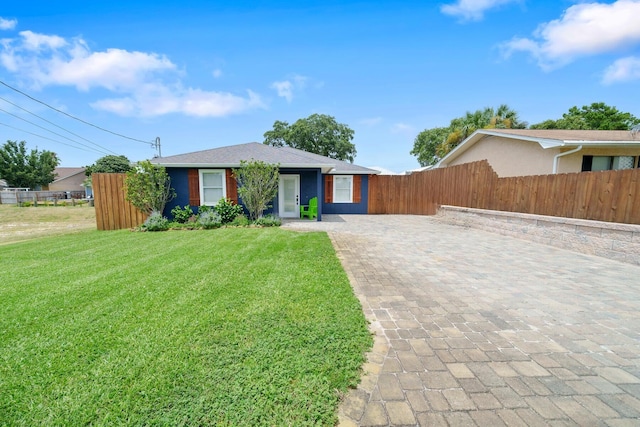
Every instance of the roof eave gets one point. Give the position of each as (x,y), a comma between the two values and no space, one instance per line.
(323,167)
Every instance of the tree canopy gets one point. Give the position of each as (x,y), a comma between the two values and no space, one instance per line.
(433,144)
(28,170)
(597,116)
(109,164)
(318,133)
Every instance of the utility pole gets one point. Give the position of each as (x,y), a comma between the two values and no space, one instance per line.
(156,145)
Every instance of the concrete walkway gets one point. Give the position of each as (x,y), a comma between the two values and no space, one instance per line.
(472,328)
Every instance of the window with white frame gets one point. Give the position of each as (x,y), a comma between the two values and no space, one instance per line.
(212,186)
(342,189)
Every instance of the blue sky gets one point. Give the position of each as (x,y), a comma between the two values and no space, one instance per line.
(205,74)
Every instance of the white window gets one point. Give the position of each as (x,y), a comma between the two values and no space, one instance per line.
(342,189)
(212,186)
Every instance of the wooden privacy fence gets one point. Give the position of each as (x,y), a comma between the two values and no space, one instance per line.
(612,196)
(113,212)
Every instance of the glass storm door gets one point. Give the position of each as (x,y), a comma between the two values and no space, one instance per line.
(289,196)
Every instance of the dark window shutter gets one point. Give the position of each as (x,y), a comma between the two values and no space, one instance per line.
(328,189)
(357,188)
(194,187)
(232,186)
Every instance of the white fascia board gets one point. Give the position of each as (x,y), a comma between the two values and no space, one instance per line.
(544,142)
(603,144)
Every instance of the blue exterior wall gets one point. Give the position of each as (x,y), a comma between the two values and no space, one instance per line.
(311,185)
(350,208)
(180,183)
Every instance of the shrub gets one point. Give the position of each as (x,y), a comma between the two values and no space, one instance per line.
(209,219)
(268,221)
(228,210)
(257,185)
(147,187)
(156,222)
(202,209)
(240,221)
(182,215)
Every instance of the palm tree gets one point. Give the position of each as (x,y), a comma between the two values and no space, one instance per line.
(461,128)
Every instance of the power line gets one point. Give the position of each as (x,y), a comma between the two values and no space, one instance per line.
(55,133)
(42,136)
(73,117)
(59,127)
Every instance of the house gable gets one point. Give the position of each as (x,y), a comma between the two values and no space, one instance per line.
(520,152)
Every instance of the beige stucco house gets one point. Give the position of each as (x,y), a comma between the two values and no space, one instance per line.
(68,179)
(520,152)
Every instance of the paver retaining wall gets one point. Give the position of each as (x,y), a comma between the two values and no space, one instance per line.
(616,241)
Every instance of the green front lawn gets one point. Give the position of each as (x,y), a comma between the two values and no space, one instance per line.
(221,327)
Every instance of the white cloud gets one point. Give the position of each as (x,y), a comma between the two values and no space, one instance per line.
(147,84)
(472,10)
(622,70)
(286,88)
(402,128)
(584,29)
(7,24)
(155,100)
(371,121)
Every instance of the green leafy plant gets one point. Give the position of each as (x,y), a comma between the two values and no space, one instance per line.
(268,221)
(209,219)
(257,185)
(202,209)
(240,221)
(228,210)
(147,187)
(156,222)
(182,215)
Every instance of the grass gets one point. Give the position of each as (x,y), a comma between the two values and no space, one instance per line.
(18,223)
(222,327)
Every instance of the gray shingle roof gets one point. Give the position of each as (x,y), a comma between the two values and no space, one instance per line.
(231,156)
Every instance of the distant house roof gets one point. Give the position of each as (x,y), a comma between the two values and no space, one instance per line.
(286,157)
(550,138)
(64,173)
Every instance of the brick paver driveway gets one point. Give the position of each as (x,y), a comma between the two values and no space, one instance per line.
(473,328)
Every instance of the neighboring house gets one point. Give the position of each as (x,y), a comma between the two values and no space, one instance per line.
(204,177)
(520,152)
(3,184)
(67,179)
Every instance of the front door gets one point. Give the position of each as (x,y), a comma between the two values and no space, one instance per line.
(289,196)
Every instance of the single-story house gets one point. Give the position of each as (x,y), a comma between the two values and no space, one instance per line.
(204,177)
(520,152)
(68,179)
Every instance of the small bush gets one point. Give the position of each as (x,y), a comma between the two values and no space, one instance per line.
(228,210)
(240,221)
(26,204)
(268,221)
(202,209)
(182,215)
(156,222)
(209,219)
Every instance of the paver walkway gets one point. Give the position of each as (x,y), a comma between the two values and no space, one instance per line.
(473,328)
